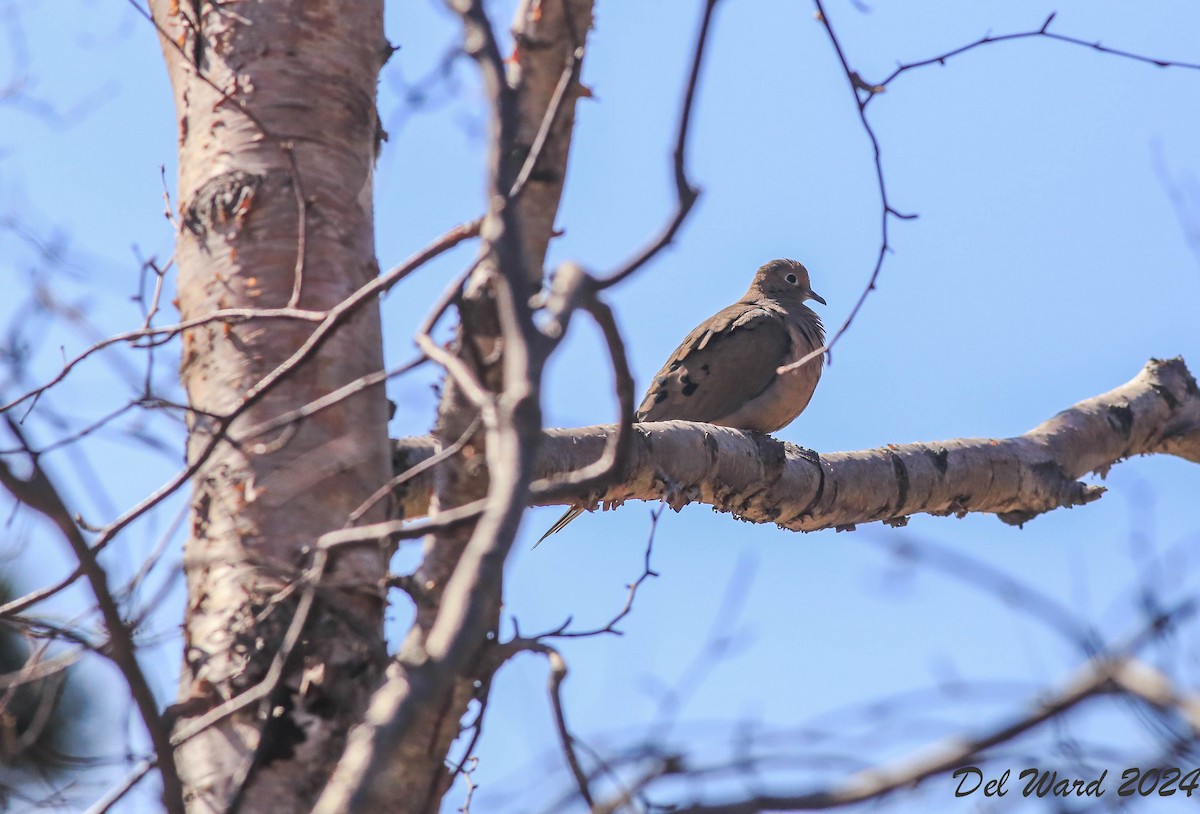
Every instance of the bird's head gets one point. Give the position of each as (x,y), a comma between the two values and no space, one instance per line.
(785,280)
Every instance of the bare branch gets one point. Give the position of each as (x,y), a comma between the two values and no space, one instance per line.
(573,288)
(162,335)
(326,401)
(333,319)
(685,193)
(864,91)
(402,529)
(763,480)
(502,383)
(558,673)
(114,795)
(409,473)
(570,74)
(289,153)
(1098,677)
(611,626)
(39,493)
(1042,32)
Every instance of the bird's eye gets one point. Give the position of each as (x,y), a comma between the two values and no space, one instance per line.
(791,278)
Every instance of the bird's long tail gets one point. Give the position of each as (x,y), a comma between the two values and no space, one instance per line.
(569,515)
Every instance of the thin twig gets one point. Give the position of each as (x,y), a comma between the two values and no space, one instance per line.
(113,796)
(1099,677)
(569,74)
(39,493)
(334,318)
(413,471)
(397,530)
(558,672)
(466,774)
(168,40)
(685,193)
(573,288)
(466,379)
(328,400)
(160,275)
(633,587)
(167,212)
(864,92)
(1044,32)
(289,152)
(566,741)
(108,533)
(482,697)
(887,211)
(165,334)
(15,606)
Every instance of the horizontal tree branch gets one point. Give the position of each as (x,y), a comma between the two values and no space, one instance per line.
(763,480)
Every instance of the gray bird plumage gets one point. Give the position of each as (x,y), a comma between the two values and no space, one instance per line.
(725,371)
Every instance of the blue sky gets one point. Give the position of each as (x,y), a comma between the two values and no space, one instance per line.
(1047,265)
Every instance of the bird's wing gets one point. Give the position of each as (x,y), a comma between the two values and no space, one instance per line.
(728,360)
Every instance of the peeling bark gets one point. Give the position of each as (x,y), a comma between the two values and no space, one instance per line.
(277,137)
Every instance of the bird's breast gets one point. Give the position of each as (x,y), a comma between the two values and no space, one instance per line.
(788,394)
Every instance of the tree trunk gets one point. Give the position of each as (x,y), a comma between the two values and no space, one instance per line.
(277,137)
(397,762)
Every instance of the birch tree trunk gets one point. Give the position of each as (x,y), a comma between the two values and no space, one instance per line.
(275,104)
(397,761)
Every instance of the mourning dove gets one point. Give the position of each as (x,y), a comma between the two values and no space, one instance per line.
(726,371)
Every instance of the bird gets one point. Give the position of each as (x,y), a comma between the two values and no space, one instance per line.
(726,371)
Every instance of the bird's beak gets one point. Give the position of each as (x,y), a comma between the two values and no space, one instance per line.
(815,296)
